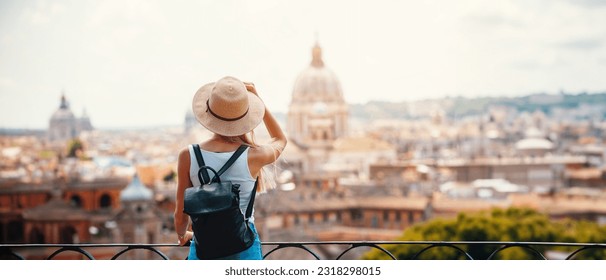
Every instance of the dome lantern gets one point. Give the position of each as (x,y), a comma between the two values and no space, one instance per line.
(64,105)
(316,56)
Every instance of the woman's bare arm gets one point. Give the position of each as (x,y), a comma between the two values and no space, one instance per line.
(183,182)
(268,153)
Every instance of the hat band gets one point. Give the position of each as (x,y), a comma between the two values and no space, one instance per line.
(222,118)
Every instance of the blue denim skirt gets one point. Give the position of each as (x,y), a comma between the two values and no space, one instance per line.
(252,253)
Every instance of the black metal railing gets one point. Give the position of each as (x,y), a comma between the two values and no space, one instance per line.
(12,251)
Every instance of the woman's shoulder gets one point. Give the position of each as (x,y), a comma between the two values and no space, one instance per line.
(184,153)
(184,150)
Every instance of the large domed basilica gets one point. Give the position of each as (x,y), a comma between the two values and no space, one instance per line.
(317,114)
(64,125)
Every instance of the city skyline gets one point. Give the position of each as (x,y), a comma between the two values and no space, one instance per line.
(139,63)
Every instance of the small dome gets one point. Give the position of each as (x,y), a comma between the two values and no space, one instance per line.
(534,140)
(534,144)
(136,191)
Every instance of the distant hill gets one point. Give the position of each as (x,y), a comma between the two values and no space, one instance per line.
(22,132)
(453,107)
(462,106)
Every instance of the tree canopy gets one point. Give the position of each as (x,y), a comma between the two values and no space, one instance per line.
(513,224)
(74,147)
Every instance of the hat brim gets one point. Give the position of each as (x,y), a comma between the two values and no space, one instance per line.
(256,111)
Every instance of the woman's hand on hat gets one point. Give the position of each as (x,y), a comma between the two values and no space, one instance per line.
(251,88)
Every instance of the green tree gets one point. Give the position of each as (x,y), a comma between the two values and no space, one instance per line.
(513,224)
(74,148)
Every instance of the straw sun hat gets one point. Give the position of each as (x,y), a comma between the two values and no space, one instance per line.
(225,107)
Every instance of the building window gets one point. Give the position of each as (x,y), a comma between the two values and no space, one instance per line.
(297,219)
(398,217)
(385,216)
(356,214)
(105,201)
(325,217)
(374,222)
(411,218)
(76,201)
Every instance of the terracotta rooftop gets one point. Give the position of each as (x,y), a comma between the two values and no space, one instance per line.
(585,173)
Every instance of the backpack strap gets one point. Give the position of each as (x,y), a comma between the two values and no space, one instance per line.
(228,164)
(201,163)
(231,161)
(249,208)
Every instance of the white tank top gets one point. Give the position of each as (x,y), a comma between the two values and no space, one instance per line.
(238,173)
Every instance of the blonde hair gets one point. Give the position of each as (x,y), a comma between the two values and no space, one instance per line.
(268,173)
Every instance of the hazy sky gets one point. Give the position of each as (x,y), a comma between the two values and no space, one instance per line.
(138,63)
